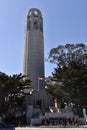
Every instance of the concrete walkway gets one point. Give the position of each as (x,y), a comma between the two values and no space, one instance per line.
(40,128)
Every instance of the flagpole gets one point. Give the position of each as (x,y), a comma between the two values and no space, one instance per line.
(38,83)
(39,78)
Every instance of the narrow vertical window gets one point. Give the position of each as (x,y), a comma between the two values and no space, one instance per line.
(35,25)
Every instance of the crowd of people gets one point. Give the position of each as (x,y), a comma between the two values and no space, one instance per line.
(60,121)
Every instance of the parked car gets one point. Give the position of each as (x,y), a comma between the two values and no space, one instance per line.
(4,126)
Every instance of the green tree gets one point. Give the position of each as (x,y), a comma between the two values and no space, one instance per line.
(71,72)
(12,91)
(3,93)
(55,89)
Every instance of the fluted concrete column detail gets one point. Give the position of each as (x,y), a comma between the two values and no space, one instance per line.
(33,65)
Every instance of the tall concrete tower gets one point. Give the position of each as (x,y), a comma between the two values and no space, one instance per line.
(33,66)
(34,49)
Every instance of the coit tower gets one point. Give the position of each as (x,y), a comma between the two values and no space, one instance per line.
(33,65)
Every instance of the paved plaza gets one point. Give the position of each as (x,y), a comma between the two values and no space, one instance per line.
(40,128)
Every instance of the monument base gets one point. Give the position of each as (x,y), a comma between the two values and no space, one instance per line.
(39,99)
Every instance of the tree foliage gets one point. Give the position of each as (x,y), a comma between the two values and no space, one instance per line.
(70,73)
(11,91)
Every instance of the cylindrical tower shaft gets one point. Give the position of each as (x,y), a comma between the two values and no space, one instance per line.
(33,66)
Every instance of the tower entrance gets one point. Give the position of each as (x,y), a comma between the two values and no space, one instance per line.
(39,103)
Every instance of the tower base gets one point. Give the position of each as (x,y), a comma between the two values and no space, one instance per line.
(39,99)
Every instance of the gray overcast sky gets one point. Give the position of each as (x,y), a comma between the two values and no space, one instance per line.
(65,21)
